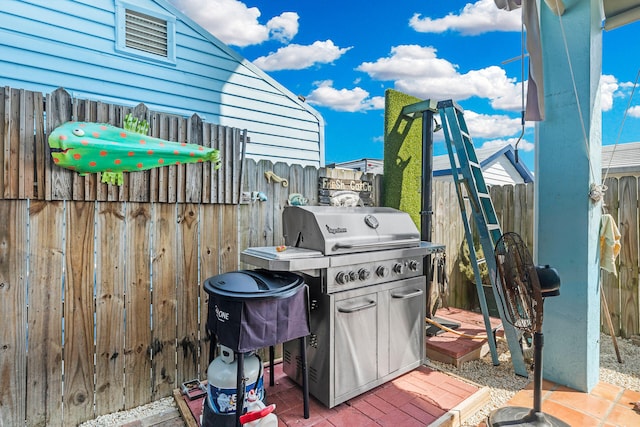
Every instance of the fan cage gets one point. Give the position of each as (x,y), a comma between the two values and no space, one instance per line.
(517,283)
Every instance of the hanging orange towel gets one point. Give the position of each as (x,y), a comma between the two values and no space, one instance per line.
(609,243)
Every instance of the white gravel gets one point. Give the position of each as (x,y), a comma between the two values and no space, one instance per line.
(504,384)
(501,381)
(161,406)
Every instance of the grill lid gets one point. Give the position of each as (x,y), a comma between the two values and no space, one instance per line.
(336,230)
(247,284)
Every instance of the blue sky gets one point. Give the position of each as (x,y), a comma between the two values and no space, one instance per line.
(342,56)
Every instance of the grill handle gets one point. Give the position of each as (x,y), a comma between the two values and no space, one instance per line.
(358,308)
(415,293)
(385,244)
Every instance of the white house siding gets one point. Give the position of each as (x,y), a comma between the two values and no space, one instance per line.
(621,160)
(72,44)
(501,172)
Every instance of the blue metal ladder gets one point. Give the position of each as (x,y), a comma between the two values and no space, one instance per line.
(468,172)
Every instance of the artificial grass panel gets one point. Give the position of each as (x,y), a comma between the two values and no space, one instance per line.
(402,156)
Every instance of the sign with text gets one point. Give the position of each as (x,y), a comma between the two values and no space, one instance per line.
(344,192)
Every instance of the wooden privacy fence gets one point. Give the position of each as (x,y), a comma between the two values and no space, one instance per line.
(622,291)
(101,287)
(514,206)
(102,303)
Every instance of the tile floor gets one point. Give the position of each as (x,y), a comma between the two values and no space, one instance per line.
(606,405)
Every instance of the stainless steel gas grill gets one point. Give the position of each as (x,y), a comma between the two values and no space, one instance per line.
(364,268)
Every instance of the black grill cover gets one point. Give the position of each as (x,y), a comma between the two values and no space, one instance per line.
(252,309)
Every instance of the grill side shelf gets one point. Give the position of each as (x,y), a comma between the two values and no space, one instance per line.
(263,258)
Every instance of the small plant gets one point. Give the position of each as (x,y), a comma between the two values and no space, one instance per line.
(466,267)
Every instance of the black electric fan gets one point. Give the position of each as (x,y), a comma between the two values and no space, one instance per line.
(522,288)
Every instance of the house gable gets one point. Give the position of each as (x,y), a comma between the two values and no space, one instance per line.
(78,45)
(499,166)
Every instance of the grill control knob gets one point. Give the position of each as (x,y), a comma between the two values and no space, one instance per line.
(382,271)
(353,276)
(398,268)
(363,274)
(413,265)
(342,278)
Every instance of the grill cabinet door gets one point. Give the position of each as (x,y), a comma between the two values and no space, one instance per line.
(355,343)
(407,304)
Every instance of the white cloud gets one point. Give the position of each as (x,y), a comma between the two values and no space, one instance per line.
(608,87)
(284,27)
(349,100)
(475,18)
(418,71)
(299,57)
(491,126)
(236,24)
(523,145)
(634,111)
(409,62)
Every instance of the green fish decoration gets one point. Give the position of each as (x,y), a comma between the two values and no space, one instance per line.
(87,147)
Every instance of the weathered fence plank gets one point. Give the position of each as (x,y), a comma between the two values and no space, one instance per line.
(5,123)
(27,145)
(263,214)
(46,261)
(280,195)
(13,298)
(138,185)
(138,297)
(59,182)
(188,283)
(229,254)
(110,307)
(629,256)
(11,143)
(40,147)
(195,135)
(78,311)
(164,299)
(248,226)
(210,237)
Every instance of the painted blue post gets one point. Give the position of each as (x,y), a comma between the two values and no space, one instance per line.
(567,161)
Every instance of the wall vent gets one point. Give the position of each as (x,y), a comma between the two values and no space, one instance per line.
(146,33)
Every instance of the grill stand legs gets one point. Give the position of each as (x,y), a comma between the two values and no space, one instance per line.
(240,380)
(305,375)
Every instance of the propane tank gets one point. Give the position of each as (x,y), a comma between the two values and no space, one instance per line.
(222,381)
